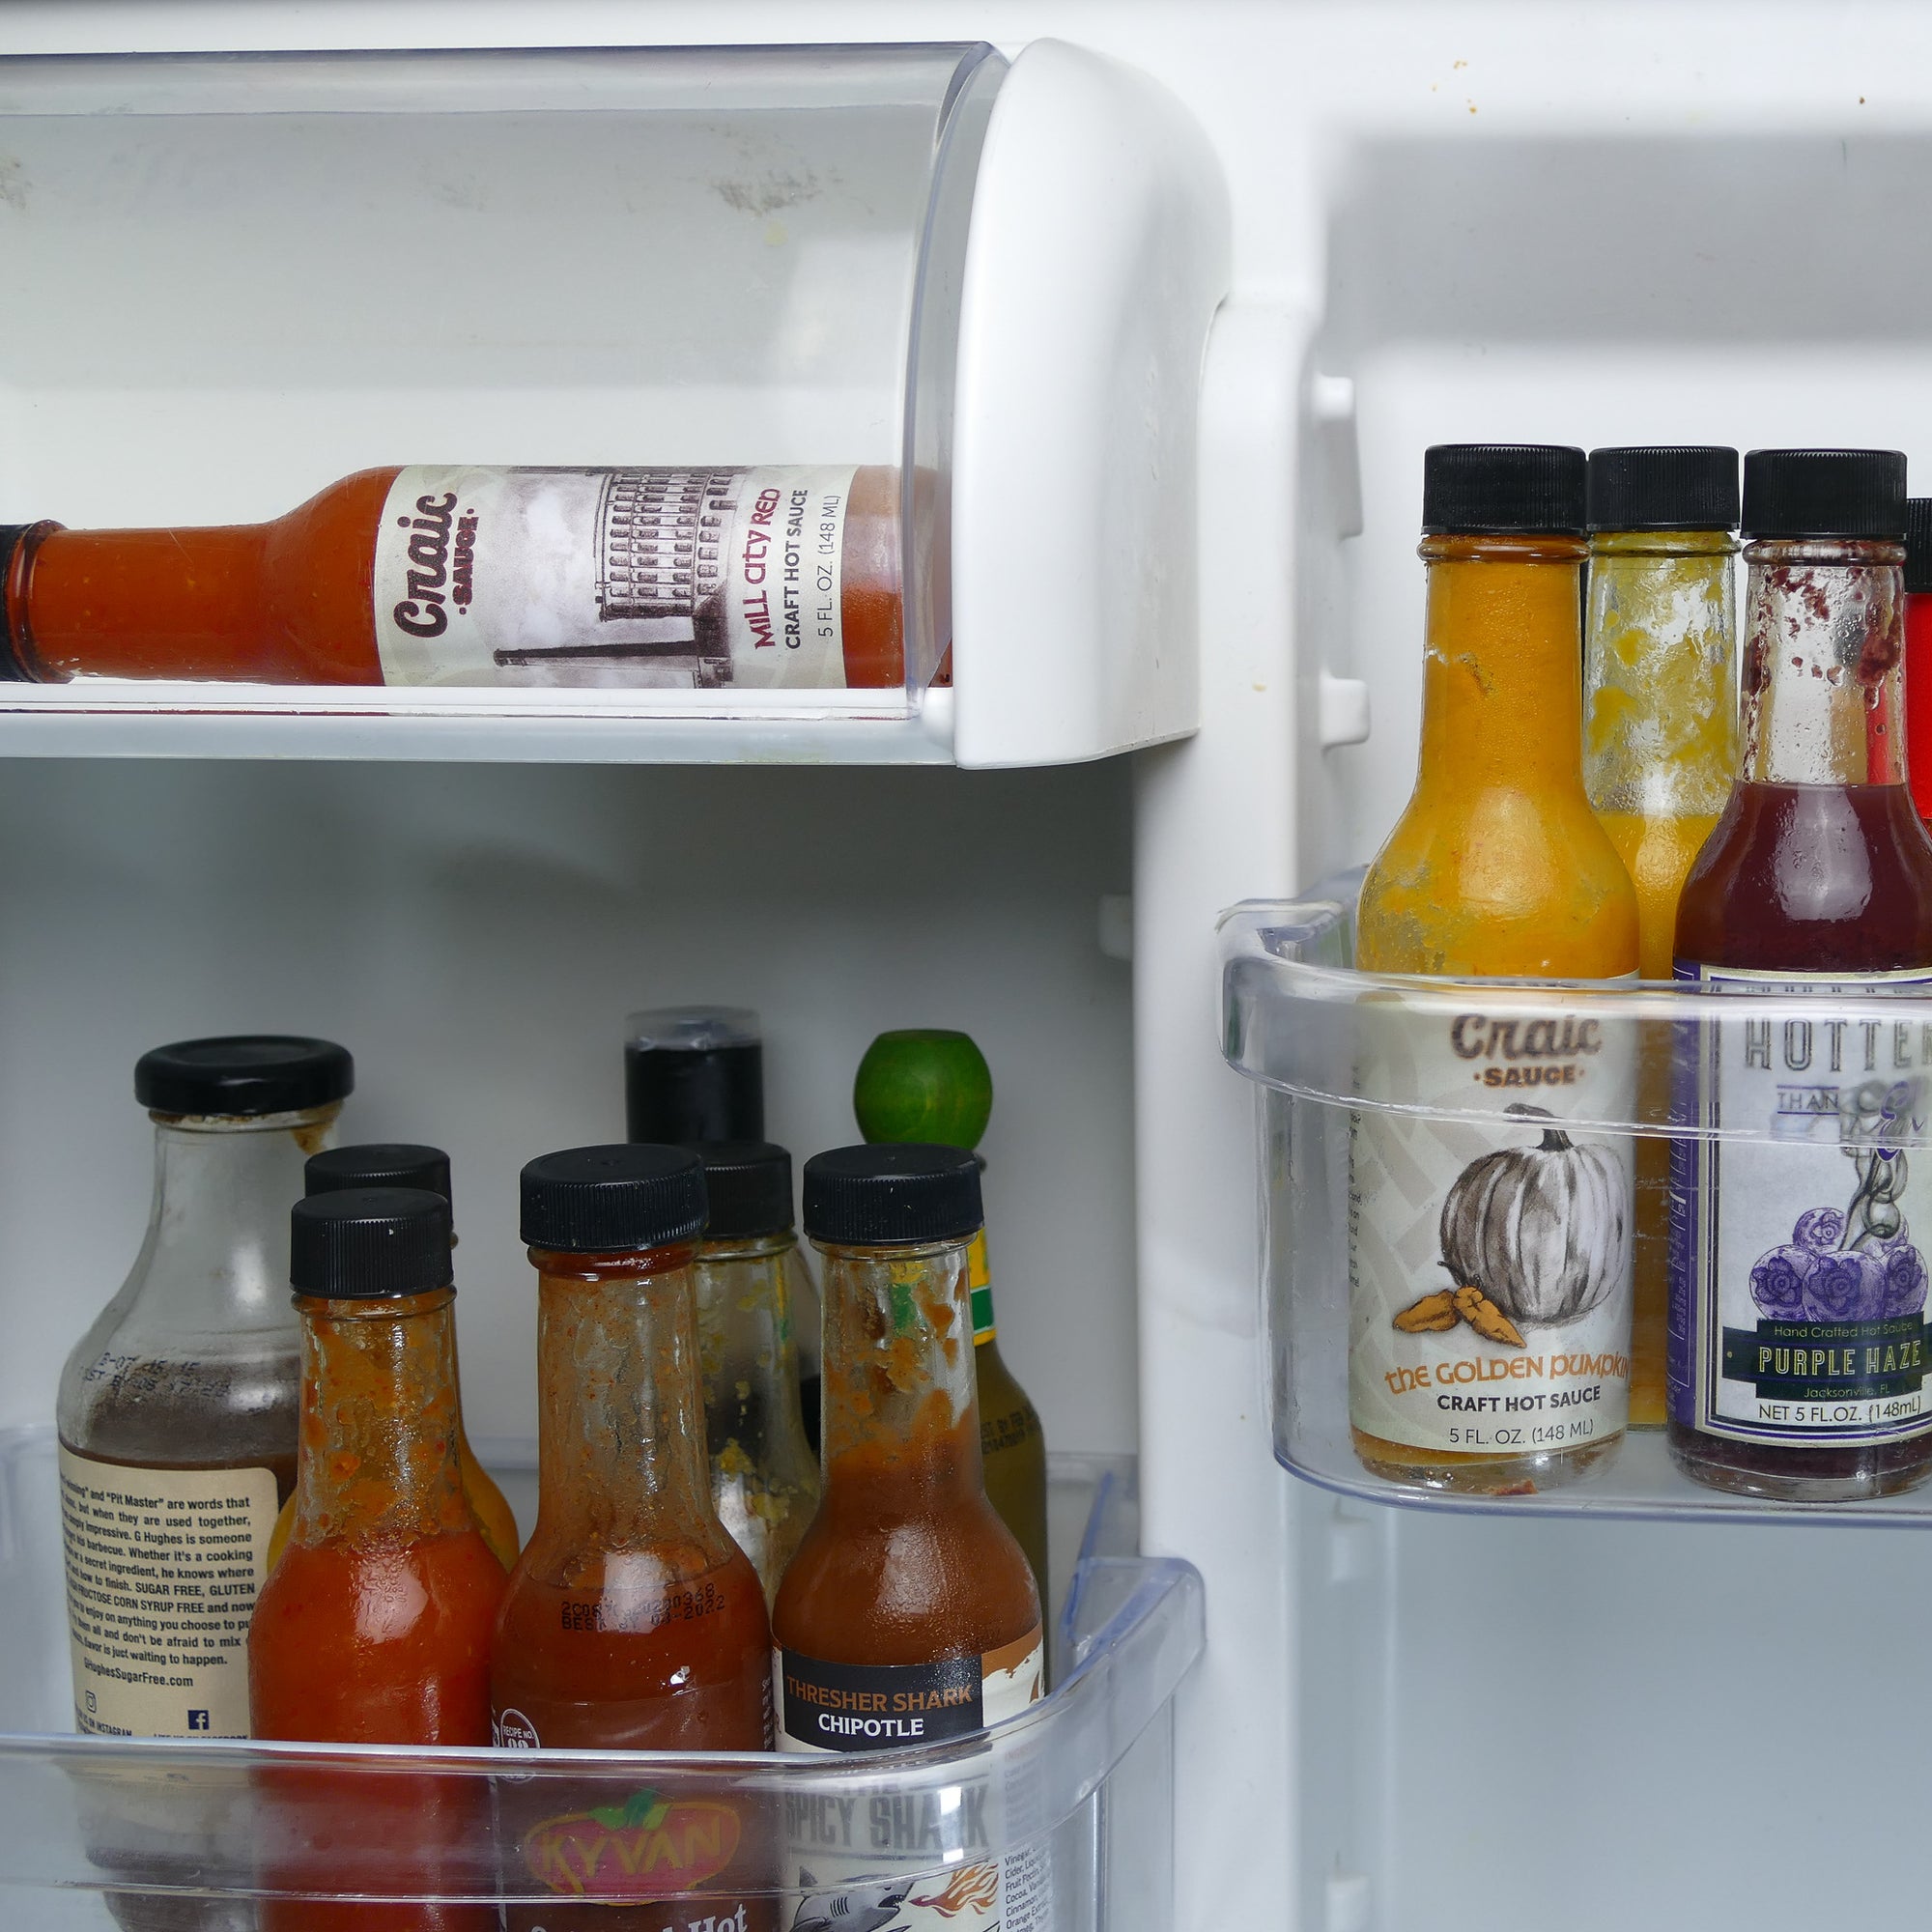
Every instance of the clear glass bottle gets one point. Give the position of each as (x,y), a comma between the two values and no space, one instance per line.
(410,1164)
(1659,748)
(764,1477)
(909,1616)
(1817,880)
(932,1084)
(1496,868)
(697,1073)
(186,1387)
(632,1622)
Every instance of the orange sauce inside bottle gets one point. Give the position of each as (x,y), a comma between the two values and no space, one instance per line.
(291,601)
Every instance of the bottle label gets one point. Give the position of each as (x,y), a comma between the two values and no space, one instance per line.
(163,1571)
(1490,1264)
(915,1866)
(664,577)
(980,1282)
(1797,1283)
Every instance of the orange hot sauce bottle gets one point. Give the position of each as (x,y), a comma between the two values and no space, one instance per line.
(909,1614)
(632,1622)
(375,1627)
(296,601)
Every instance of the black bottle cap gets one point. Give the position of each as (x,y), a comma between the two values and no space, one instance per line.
(613,1200)
(749,1187)
(1919,543)
(244,1075)
(369,1243)
(1825,492)
(377,1164)
(1687,488)
(694,1073)
(1502,489)
(890,1192)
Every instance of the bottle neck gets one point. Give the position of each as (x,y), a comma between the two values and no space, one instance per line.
(980,1283)
(1822,680)
(216,1253)
(901,1433)
(620,1417)
(1501,686)
(377,1455)
(745,1339)
(1660,673)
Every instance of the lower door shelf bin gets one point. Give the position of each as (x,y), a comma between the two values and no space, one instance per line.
(160,1835)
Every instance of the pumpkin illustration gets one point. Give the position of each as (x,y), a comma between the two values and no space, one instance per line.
(1542,1231)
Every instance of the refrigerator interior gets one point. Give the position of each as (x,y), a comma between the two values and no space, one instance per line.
(1474,222)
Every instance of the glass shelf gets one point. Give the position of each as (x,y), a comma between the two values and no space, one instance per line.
(172,1832)
(1329,1046)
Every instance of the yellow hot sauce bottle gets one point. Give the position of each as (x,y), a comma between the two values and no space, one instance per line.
(1660,746)
(1497,867)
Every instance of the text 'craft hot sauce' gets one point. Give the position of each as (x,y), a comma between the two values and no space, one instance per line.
(375,1627)
(1798,1336)
(1490,1242)
(1659,748)
(909,1616)
(632,1622)
(460,575)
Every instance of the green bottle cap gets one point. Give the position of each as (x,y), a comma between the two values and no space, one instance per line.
(924,1084)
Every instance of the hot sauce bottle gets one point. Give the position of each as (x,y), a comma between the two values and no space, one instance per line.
(181,1401)
(694,1074)
(764,1477)
(409,1164)
(933,1084)
(1918,648)
(909,1616)
(1659,747)
(375,1625)
(1489,1255)
(1797,1275)
(456,575)
(633,1621)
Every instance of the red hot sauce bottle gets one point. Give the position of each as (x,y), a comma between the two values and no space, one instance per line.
(1798,1285)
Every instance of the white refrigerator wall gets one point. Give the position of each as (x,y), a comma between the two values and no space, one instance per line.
(1476,221)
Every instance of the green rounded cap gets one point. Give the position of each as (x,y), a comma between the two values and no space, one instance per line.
(924,1084)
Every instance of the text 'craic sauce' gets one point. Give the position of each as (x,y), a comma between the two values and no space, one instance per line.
(909,1616)
(633,1622)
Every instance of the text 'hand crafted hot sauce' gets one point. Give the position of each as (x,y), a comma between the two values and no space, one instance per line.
(460,575)
(909,1614)
(1799,1345)
(375,1627)
(633,1622)
(1490,1240)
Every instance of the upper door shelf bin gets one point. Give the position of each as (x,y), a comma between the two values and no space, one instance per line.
(865,379)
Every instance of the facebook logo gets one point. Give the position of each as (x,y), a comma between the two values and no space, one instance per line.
(197,1721)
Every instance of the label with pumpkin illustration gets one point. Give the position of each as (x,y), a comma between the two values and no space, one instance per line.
(925,1858)
(1798,1286)
(1490,1259)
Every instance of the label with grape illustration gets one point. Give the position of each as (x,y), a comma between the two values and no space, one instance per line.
(1797,1281)
(667,578)
(1489,1257)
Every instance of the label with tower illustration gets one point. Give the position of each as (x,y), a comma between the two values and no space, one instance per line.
(665,578)
(1797,1281)
(1490,1259)
(925,1860)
